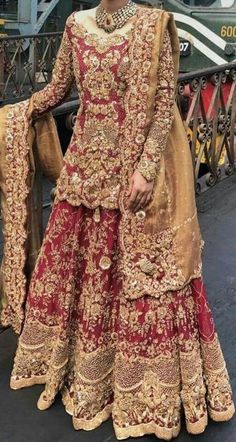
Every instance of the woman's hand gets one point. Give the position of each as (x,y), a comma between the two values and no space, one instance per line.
(140,192)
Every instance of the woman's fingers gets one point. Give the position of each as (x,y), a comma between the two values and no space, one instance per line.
(145,201)
(137,203)
(149,197)
(140,202)
(139,192)
(132,200)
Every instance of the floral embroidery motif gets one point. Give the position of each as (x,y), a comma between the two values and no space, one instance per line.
(148,263)
(163,114)
(15,234)
(92,39)
(148,267)
(61,82)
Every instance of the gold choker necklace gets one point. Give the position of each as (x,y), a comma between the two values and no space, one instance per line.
(111,21)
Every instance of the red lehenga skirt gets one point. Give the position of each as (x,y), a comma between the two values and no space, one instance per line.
(138,361)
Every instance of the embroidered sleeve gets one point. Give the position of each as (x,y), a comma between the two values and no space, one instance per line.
(162,119)
(62,79)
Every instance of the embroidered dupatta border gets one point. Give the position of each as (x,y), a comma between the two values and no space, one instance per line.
(15,233)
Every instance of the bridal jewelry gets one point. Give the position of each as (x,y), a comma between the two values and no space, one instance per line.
(111,21)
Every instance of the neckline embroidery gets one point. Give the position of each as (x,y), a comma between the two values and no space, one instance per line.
(105,38)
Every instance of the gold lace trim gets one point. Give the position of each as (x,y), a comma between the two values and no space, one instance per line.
(148,428)
(199,426)
(222,416)
(83,424)
(16,383)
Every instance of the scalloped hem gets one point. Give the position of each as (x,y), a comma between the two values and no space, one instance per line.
(16,384)
(199,426)
(84,424)
(222,416)
(143,429)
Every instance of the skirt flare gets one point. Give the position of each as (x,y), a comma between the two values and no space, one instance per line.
(138,361)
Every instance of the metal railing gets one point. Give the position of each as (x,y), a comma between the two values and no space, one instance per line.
(23,72)
(207,100)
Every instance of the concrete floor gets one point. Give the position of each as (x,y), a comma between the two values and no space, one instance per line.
(20,421)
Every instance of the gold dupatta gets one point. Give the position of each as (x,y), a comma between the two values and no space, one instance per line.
(162,251)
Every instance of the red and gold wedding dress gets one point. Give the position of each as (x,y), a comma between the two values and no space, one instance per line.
(137,360)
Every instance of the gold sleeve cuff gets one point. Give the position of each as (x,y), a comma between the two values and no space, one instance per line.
(148,169)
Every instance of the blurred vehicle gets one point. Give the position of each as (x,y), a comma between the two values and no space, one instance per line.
(207,31)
